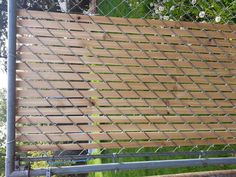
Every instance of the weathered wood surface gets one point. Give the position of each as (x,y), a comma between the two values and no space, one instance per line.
(122,83)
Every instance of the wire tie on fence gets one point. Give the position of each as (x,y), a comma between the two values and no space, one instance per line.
(205,162)
(8,142)
(28,169)
(48,172)
(113,157)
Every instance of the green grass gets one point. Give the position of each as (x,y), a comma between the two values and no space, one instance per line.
(97,174)
(95,161)
(150,172)
(121,8)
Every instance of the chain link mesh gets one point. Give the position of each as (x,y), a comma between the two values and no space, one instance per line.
(213,11)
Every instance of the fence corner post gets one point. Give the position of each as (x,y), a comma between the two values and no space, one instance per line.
(11,88)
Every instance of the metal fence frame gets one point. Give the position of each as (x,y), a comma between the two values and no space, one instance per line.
(11,93)
(125,166)
(12,167)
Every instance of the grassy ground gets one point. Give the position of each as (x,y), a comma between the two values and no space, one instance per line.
(149,172)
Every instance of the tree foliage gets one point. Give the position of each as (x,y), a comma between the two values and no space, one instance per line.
(2,129)
(215,11)
(2,106)
(3,29)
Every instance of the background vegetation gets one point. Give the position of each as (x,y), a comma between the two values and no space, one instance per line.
(2,129)
(216,11)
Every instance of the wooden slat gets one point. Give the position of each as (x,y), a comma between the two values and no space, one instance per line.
(145,63)
(47,72)
(159,44)
(172,93)
(126,94)
(123,110)
(121,136)
(129,86)
(49,93)
(37,102)
(122,21)
(90,77)
(114,37)
(61,129)
(140,67)
(118,70)
(120,53)
(122,45)
(125,62)
(121,29)
(124,144)
(113,94)
(123,119)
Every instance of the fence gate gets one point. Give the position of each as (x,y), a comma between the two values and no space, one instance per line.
(91,86)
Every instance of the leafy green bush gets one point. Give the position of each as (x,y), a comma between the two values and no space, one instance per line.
(195,10)
(2,129)
(216,11)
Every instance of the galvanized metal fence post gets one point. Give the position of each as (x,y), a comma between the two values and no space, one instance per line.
(11,93)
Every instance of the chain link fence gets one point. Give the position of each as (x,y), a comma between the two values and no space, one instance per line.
(200,11)
(214,11)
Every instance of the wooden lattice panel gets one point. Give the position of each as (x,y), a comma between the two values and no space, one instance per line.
(120,83)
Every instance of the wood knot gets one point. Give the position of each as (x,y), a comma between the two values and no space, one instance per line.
(92,102)
(167,103)
(104,36)
(174,78)
(175,87)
